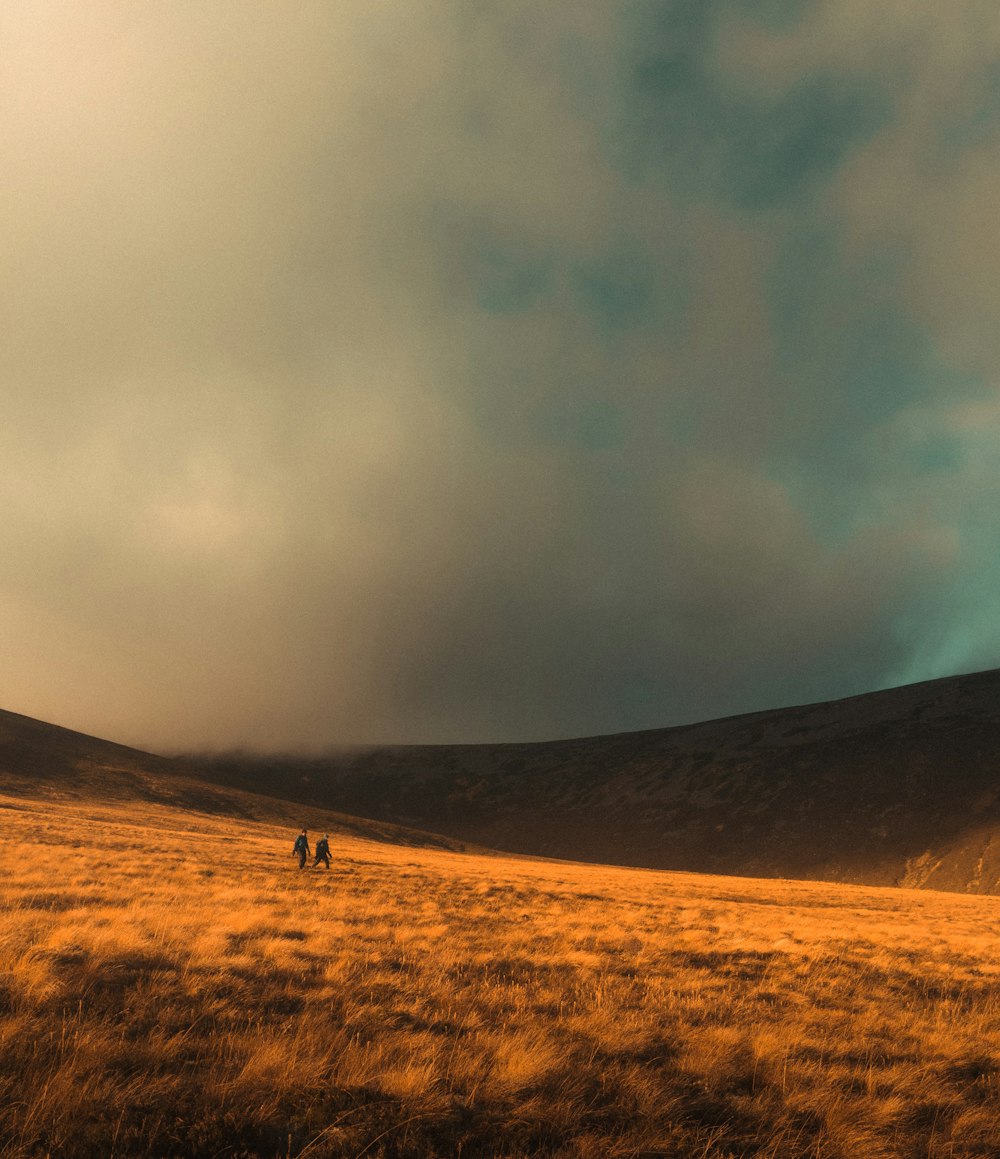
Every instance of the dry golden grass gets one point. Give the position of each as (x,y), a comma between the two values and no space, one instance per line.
(172,985)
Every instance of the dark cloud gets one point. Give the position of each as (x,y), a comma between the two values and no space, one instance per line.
(394,371)
(706,136)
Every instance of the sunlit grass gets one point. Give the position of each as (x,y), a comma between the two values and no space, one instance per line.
(173,985)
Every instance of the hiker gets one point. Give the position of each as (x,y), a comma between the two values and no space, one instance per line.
(301,848)
(322,851)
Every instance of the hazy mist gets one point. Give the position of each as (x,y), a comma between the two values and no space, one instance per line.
(397,371)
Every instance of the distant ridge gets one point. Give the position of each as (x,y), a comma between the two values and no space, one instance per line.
(899,787)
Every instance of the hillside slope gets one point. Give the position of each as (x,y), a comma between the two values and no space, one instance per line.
(900,786)
(43,762)
(161,997)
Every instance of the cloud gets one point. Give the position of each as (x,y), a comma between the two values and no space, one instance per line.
(706,135)
(391,371)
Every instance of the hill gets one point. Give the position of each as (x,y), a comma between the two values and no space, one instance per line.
(161,996)
(168,990)
(894,787)
(44,763)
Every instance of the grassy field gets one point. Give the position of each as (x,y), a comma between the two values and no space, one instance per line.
(172,985)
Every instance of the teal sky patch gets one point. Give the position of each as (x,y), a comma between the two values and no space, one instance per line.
(778,15)
(592,425)
(507,282)
(937,453)
(617,289)
(843,341)
(692,127)
(628,288)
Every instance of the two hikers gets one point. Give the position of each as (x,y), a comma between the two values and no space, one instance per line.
(301,850)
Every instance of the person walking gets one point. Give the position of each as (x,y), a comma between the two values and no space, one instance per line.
(301,849)
(322,851)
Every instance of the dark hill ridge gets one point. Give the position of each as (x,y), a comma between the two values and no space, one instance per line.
(900,786)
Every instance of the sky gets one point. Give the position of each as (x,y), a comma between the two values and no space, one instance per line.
(428,370)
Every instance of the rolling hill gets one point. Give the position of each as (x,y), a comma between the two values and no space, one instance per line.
(893,787)
(42,763)
(171,984)
(165,992)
